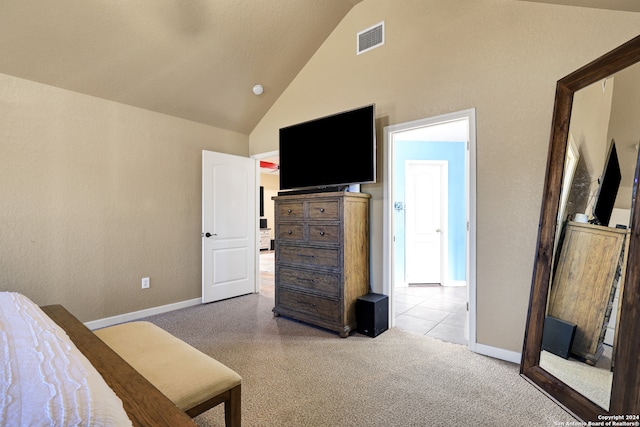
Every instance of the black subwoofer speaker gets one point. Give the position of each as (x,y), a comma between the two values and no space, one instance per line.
(557,336)
(372,314)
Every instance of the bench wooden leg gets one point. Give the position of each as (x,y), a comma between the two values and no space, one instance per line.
(233,408)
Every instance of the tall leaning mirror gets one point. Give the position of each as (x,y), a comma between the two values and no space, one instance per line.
(582,341)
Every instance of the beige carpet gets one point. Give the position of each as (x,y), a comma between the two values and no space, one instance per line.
(594,383)
(298,375)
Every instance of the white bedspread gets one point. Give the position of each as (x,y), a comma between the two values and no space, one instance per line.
(44,379)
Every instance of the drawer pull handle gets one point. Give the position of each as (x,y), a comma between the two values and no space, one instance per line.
(306,256)
(307,303)
(288,210)
(289,232)
(304,279)
(321,209)
(322,233)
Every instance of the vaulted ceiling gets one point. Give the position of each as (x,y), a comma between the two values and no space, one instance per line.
(195,59)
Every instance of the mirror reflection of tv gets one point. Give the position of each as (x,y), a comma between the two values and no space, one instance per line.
(608,188)
(332,151)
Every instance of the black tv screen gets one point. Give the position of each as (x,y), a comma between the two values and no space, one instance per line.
(330,151)
(608,188)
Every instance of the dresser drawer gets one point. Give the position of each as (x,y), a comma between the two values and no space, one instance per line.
(289,210)
(308,257)
(309,305)
(290,232)
(321,282)
(324,210)
(319,233)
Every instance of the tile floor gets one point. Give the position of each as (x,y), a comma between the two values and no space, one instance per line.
(439,312)
(435,311)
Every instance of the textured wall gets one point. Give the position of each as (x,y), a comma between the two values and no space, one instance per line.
(95,195)
(624,127)
(502,57)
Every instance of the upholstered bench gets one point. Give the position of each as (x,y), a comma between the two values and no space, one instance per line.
(194,381)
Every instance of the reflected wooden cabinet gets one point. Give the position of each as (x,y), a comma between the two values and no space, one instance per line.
(322,257)
(583,285)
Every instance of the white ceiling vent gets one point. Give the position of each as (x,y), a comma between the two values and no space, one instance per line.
(371,38)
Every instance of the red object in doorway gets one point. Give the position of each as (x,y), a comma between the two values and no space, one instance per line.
(268,165)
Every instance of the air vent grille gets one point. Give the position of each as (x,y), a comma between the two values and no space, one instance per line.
(371,38)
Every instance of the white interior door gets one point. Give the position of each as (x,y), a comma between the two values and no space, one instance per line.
(426,206)
(229,226)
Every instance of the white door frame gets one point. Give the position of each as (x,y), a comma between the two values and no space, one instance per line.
(388,198)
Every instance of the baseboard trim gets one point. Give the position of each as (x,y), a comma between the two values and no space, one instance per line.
(135,315)
(497,353)
(452,283)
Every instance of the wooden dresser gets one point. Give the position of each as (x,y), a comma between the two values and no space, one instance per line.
(583,286)
(322,257)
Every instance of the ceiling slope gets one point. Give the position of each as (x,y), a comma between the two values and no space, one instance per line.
(195,59)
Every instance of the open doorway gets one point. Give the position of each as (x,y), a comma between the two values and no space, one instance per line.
(429,237)
(269,187)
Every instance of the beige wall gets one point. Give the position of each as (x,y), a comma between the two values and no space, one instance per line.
(624,127)
(95,195)
(502,57)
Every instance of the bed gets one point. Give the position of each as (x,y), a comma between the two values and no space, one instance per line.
(55,371)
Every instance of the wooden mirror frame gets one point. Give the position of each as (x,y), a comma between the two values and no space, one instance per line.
(625,394)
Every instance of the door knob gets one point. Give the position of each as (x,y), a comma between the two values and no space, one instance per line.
(438,230)
(209,234)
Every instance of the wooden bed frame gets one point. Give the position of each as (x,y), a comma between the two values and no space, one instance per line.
(145,404)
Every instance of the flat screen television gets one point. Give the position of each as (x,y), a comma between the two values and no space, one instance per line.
(608,188)
(331,151)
